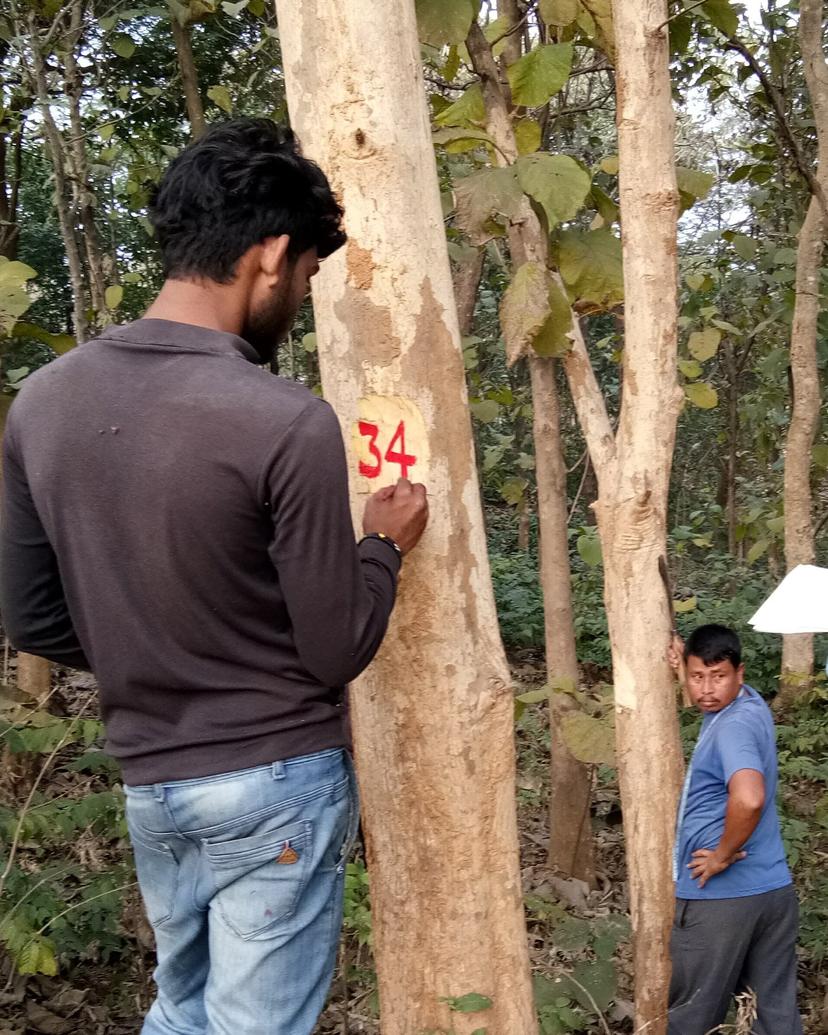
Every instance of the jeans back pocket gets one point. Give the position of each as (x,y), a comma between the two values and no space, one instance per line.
(260,879)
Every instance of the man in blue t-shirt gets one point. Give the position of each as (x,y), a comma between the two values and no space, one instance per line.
(737,915)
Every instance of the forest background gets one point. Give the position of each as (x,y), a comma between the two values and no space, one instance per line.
(95,98)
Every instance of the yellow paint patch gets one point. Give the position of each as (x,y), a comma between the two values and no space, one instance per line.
(388,441)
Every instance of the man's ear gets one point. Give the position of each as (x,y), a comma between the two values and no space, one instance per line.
(273,256)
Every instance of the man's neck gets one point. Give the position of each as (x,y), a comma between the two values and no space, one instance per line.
(201,303)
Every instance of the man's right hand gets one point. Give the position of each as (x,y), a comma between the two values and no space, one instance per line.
(399,511)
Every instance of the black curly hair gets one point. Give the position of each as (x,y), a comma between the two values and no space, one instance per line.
(243,181)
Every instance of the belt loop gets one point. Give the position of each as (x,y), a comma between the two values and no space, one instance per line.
(278,770)
(159,791)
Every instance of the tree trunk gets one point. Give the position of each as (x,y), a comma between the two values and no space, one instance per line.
(732,444)
(798,651)
(84,199)
(433,716)
(633,467)
(189,75)
(466,278)
(632,504)
(570,790)
(55,147)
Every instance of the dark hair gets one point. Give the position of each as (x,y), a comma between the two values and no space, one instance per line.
(243,181)
(713,643)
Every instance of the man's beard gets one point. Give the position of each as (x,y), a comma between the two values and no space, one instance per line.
(270,324)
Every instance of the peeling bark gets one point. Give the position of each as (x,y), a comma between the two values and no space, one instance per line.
(433,715)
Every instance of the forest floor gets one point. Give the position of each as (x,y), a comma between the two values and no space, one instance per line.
(579,937)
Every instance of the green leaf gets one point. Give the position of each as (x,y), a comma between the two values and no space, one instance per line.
(690,367)
(456,140)
(513,490)
(557,183)
(124,93)
(682,607)
(694,182)
(703,345)
(123,45)
(309,342)
(553,337)
(722,15)
(527,136)
(444,21)
(609,165)
(744,246)
(473,1002)
(485,201)
(59,343)
(486,410)
(540,74)
(598,980)
(604,205)
(14,299)
(220,96)
(596,22)
(558,12)
(589,739)
(496,34)
(589,549)
(590,264)
(701,394)
(820,455)
(524,308)
(756,551)
(469,107)
(113,296)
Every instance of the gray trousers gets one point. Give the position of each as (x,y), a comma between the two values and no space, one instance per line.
(725,946)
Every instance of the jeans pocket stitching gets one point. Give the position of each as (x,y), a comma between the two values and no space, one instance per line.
(140,848)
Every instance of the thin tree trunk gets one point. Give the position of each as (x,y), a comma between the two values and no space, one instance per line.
(570,791)
(633,467)
(55,146)
(189,75)
(524,524)
(433,716)
(732,444)
(466,279)
(798,651)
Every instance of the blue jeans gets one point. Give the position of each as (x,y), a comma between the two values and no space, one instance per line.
(242,877)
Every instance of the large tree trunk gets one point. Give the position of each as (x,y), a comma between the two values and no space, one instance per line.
(433,716)
(632,504)
(798,651)
(633,467)
(189,74)
(570,788)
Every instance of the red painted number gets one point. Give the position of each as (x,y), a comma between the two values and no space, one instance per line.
(370,431)
(395,454)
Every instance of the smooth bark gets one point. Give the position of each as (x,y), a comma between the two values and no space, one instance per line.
(182,35)
(433,715)
(798,651)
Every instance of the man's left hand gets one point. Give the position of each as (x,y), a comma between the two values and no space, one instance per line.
(706,864)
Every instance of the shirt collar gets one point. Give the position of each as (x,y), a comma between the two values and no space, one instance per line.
(184,336)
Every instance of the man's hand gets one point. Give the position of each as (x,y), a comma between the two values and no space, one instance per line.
(706,864)
(399,511)
(675,654)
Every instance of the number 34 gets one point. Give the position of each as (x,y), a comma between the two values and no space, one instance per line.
(394,454)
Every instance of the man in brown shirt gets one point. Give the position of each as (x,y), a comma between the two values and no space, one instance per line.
(176,520)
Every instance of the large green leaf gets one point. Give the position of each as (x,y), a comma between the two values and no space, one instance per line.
(220,96)
(596,21)
(59,343)
(703,345)
(456,139)
(467,108)
(486,201)
(444,21)
(527,136)
(558,12)
(589,739)
(722,15)
(525,308)
(540,74)
(591,266)
(14,301)
(701,394)
(558,183)
(553,337)
(123,45)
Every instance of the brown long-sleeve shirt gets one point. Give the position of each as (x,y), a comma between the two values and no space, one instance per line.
(176,519)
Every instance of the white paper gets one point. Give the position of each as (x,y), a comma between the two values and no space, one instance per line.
(799,604)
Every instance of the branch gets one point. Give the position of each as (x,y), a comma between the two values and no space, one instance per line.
(778,105)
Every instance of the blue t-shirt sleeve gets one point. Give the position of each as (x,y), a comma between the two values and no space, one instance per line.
(740,747)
